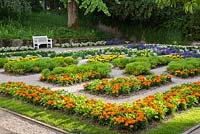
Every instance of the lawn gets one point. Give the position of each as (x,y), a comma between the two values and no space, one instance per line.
(179,123)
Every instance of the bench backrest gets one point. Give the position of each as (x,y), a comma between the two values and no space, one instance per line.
(40,39)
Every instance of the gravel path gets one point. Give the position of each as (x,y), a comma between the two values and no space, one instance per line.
(11,124)
(159,70)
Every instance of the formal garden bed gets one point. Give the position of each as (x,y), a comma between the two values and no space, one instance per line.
(128,116)
(93,70)
(76,74)
(185,68)
(126,85)
(112,66)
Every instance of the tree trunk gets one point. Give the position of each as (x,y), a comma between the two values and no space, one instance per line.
(73,15)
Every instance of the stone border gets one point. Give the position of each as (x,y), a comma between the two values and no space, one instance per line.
(192,129)
(55,129)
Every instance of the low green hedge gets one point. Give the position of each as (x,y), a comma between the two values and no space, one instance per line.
(154,61)
(138,68)
(35,66)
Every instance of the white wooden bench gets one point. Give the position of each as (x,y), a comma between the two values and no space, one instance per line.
(39,40)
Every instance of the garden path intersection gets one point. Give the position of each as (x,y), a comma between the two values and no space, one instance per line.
(34,79)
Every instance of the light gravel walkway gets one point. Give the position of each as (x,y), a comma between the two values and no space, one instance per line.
(159,70)
(11,124)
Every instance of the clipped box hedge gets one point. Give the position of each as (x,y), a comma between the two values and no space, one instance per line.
(35,66)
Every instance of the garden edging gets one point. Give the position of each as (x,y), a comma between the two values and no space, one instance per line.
(192,129)
(57,130)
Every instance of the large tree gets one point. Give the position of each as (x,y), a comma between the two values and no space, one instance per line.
(189,5)
(88,5)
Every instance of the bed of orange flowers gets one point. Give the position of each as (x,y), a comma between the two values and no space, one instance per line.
(187,73)
(125,85)
(70,79)
(129,116)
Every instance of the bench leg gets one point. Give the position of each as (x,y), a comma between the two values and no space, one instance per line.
(49,45)
(37,46)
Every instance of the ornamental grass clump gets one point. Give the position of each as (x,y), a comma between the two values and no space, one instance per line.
(127,116)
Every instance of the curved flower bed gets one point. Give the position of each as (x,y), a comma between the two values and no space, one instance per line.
(125,85)
(185,68)
(129,116)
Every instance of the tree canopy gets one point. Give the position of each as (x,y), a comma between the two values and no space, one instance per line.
(92,5)
(189,5)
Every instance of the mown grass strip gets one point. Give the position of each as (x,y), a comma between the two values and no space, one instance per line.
(178,124)
(61,120)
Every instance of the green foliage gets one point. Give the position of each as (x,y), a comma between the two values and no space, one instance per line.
(189,5)
(132,9)
(50,23)
(103,68)
(70,123)
(138,68)
(152,108)
(185,68)
(154,61)
(186,25)
(13,8)
(120,62)
(125,85)
(91,5)
(23,67)
(3,61)
(75,74)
